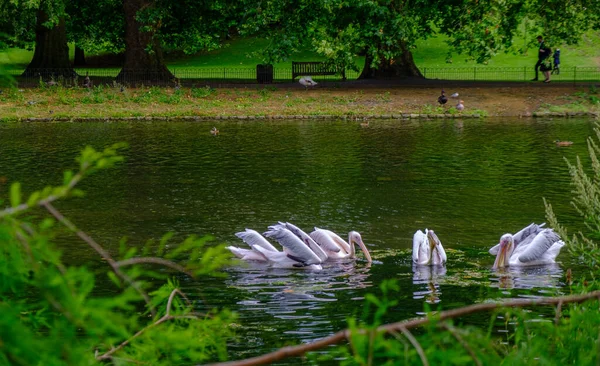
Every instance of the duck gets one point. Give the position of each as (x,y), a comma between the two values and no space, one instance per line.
(563,143)
(214,131)
(460,106)
(442,99)
(454,95)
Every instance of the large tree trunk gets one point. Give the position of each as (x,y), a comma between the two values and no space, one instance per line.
(401,67)
(140,65)
(51,55)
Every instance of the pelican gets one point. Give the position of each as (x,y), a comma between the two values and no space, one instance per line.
(307,81)
(428,249)
(531,246)
(253,239)
(336,247)
(295,253)
(307,239)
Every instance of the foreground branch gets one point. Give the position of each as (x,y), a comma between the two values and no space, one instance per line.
(164,318)
(100,250)
(403,326)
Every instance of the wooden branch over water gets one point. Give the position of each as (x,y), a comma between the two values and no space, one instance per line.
(403,326)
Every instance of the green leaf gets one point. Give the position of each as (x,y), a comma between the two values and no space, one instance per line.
(15,194)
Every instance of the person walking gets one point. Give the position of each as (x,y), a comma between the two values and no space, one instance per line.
(543,53)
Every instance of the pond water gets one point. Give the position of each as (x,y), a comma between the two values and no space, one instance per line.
(470,180)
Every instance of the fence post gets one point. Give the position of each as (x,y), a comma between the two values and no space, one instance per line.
(524,73)
(574,74)
(474,73)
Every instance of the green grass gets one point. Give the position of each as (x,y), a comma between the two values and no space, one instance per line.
(430,53)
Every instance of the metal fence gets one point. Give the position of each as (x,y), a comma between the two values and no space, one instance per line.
(571,74)
(247,75)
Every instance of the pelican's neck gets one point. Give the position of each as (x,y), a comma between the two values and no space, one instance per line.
(351,243)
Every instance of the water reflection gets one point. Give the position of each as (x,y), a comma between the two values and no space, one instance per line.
(427,279)
(299,295)
(528,277)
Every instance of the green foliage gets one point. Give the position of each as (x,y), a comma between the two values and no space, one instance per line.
(586,199)
(51,313)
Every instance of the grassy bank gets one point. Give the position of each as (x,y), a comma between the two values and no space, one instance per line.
(207,102)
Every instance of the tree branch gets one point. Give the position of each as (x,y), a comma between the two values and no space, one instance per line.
(103,253)
(164,318)
(154,260)
(295,351)
(24,206)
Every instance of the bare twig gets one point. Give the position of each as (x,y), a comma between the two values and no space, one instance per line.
(103,253)
(154,260)
(294,351)
(462,342)
(415,344)
(164,318)
(558,313)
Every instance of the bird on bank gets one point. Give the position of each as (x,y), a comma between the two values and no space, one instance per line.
(87,82)
(563,143)
(460,106)
(442,99)
(454,95)
(214,131)
(307,81)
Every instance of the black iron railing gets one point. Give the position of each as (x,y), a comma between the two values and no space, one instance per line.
(252,75)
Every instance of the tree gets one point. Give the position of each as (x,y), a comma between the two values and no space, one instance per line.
(188,26)
(385,31)
(40,25)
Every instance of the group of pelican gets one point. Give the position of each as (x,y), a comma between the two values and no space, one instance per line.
(533,245)
(299,249)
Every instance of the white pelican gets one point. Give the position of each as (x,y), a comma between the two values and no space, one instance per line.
(530,246)
(296,254)
(310,242)
(428,249)
(336,247)
(307,81)
(253,239)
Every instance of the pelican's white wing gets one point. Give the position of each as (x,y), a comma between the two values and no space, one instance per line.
(247,254)
(521,238)
(539,246)
(284,260)
(293,246)
(329,240)
(253,238)
(420,248)
(309,241)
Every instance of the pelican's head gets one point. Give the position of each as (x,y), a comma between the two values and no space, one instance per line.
(356,238)
(505,251)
